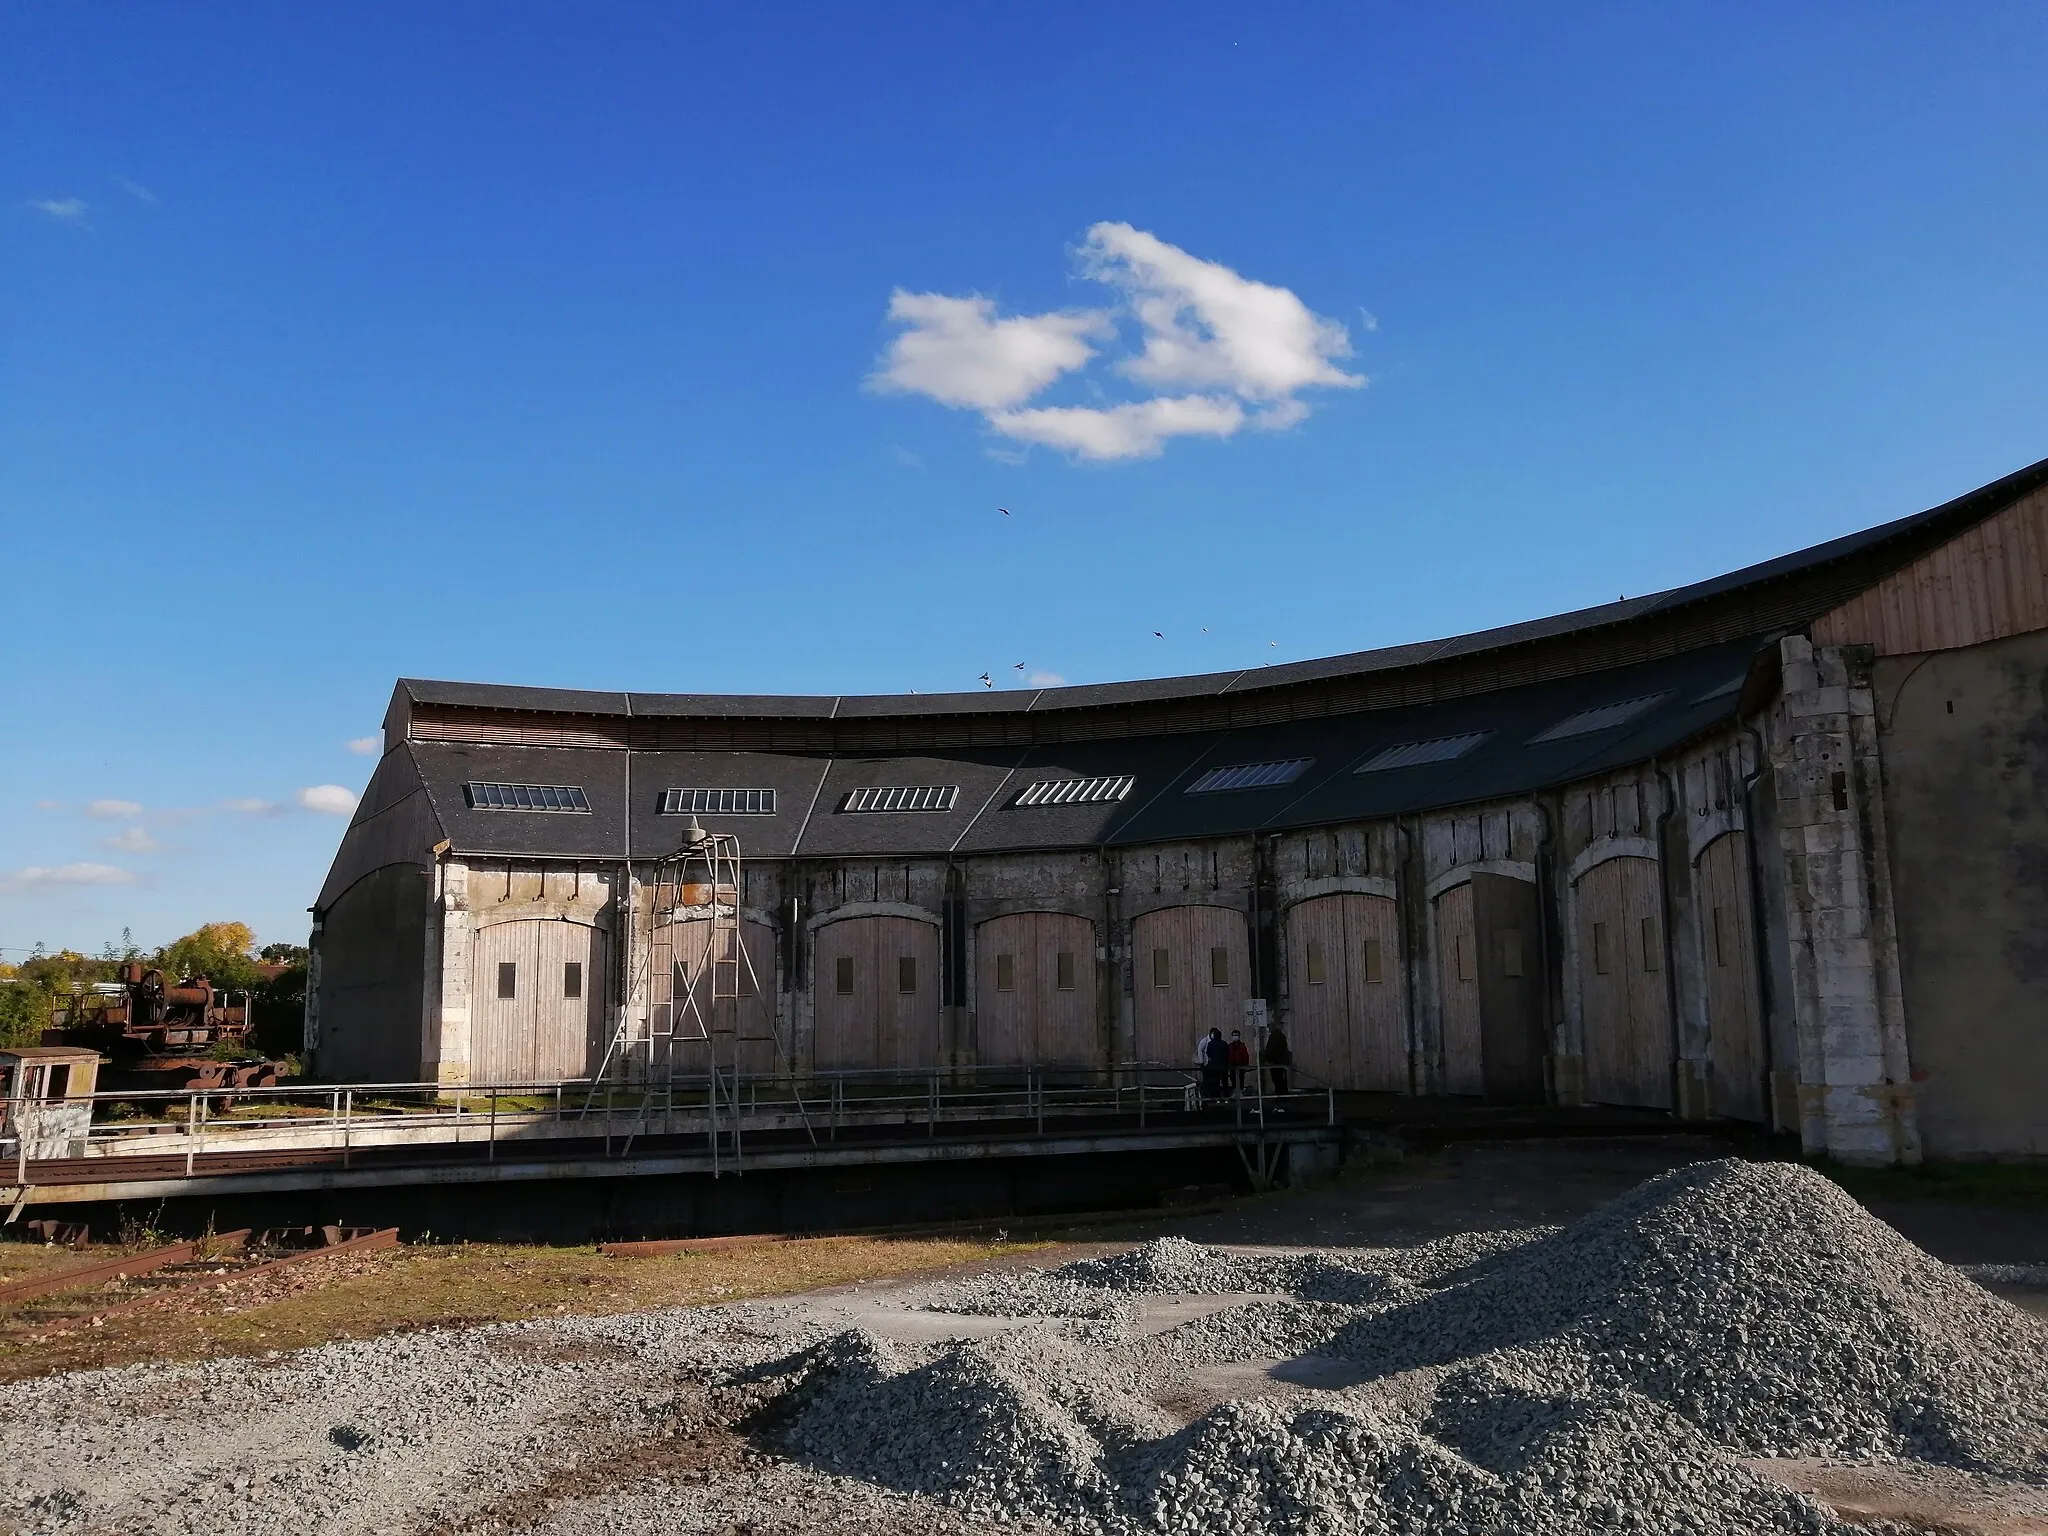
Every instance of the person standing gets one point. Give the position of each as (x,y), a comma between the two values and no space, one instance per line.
(1278,1058)
(1240,1060)
(1215,1064)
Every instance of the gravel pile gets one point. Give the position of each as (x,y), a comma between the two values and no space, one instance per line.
(1613,1374)
(1028,1293)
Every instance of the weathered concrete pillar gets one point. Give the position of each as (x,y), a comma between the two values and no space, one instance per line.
(447,1032)
(310,1034)
(1854,1083)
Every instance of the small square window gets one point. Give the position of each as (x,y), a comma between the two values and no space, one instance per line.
(1511,952)
(906,973)
(842,975)
(1601,959)
(1316,976)
(1374,970)
(1160,975)
(1653,948)
(1219,967)
(1066,970)
(1006,973)
(572,978)
(508,979)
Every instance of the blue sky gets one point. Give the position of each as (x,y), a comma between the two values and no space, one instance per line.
(550,344)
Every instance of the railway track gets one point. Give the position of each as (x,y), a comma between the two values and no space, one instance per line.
(86,1295)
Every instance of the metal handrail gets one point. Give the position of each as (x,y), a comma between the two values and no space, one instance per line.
(360,1116)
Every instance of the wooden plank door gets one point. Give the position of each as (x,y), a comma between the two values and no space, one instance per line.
(730,1017)
(504,973)
(1349,1027)
(1512,1024)
(537,1001)
(1034,992)
(568,1000)
(1623,1004)
(1457,951)
(876,989)
(1190,972)
(1734,1019)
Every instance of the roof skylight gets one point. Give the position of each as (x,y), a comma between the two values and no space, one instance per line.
(1413,754)
(1250,776)
(1077,791)
(526,797)
(718,802)
(1604,718)
(909,797)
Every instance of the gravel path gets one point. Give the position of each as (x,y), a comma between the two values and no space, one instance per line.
(1630,1372)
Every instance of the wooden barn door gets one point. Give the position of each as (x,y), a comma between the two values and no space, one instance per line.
(537,1001)
(1621,984)
(1034,994)
(733,996)
(1344,992)
(1734,1023)
(1190,972)
(1457,953)
(875,981)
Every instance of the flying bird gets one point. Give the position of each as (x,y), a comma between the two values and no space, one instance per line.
(1004,510)
(987,681)
(1157,635)
(1020,666)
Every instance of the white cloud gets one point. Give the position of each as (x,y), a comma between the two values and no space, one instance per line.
(1046,680)
(1206,327)
(960,354)
(65,210)
(112,810)
(250,806)
(1221,351)
(366,746)
(136,190)
(328,799)
(1136,431)
(131,840)
(69,874)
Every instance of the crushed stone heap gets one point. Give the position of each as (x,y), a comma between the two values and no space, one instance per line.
(1614,1375)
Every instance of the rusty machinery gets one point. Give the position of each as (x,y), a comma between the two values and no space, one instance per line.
(161,1033)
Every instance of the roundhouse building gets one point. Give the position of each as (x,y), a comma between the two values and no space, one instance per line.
(1771,848)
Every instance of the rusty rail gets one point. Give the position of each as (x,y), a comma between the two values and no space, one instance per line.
(124,1268)
(386,1237)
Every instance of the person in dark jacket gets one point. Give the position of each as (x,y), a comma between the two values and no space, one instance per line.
(1278,1057)
(1215,1065)
(1240,1061)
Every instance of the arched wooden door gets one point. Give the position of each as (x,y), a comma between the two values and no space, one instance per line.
(1622,1001)
(1034,992)
(1344,991)
(715,1009)
(537,1001)
(1457,968)
(875,983)
(1734,1020)
(1190,972)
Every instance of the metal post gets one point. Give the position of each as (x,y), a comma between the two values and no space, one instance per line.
(348,1109)
(1141,1098)
(931,1107)
(491,1153)
(191,1130)
(1038,1097)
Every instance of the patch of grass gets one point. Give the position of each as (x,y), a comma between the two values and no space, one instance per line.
(357,1296)
(2022,1184)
